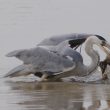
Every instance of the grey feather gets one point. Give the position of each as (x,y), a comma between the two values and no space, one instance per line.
(14,53)
(42,60)
(55,40)
(21,70)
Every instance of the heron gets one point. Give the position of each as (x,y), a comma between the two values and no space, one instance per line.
(54,43)
(50,64)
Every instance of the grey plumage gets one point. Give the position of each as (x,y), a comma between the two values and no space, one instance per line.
(21,70)
(55,40)
(41,60)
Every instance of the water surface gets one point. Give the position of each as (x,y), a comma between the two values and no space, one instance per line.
(31,95)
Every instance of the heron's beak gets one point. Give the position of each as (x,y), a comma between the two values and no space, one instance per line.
(106,48)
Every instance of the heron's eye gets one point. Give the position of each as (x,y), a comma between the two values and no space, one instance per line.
(103,43)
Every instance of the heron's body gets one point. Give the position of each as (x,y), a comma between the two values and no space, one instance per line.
(40,60)
(68,62)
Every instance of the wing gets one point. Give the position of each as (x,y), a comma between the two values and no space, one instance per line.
(77,39)
(23,55)
(21,70)
(46,61)
(42,60)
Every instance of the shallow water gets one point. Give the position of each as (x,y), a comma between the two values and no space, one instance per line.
(31,95)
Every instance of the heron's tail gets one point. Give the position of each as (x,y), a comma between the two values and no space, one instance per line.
(20,70)
(15,53)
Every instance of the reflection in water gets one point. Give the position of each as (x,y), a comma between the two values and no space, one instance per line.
(58,96)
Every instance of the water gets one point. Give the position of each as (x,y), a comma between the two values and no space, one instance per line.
(27,94)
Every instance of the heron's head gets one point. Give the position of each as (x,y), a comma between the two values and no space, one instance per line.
(105,45)
(101,42)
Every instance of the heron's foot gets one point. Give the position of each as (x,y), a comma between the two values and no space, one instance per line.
(104,77)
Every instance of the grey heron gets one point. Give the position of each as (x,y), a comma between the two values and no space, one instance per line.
(47,63)
(53,44)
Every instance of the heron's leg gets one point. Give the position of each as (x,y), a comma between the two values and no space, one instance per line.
(44,77)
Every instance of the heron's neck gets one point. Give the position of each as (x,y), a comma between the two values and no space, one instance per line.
(94,58)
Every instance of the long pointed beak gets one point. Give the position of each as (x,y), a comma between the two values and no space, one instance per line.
(106,48)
